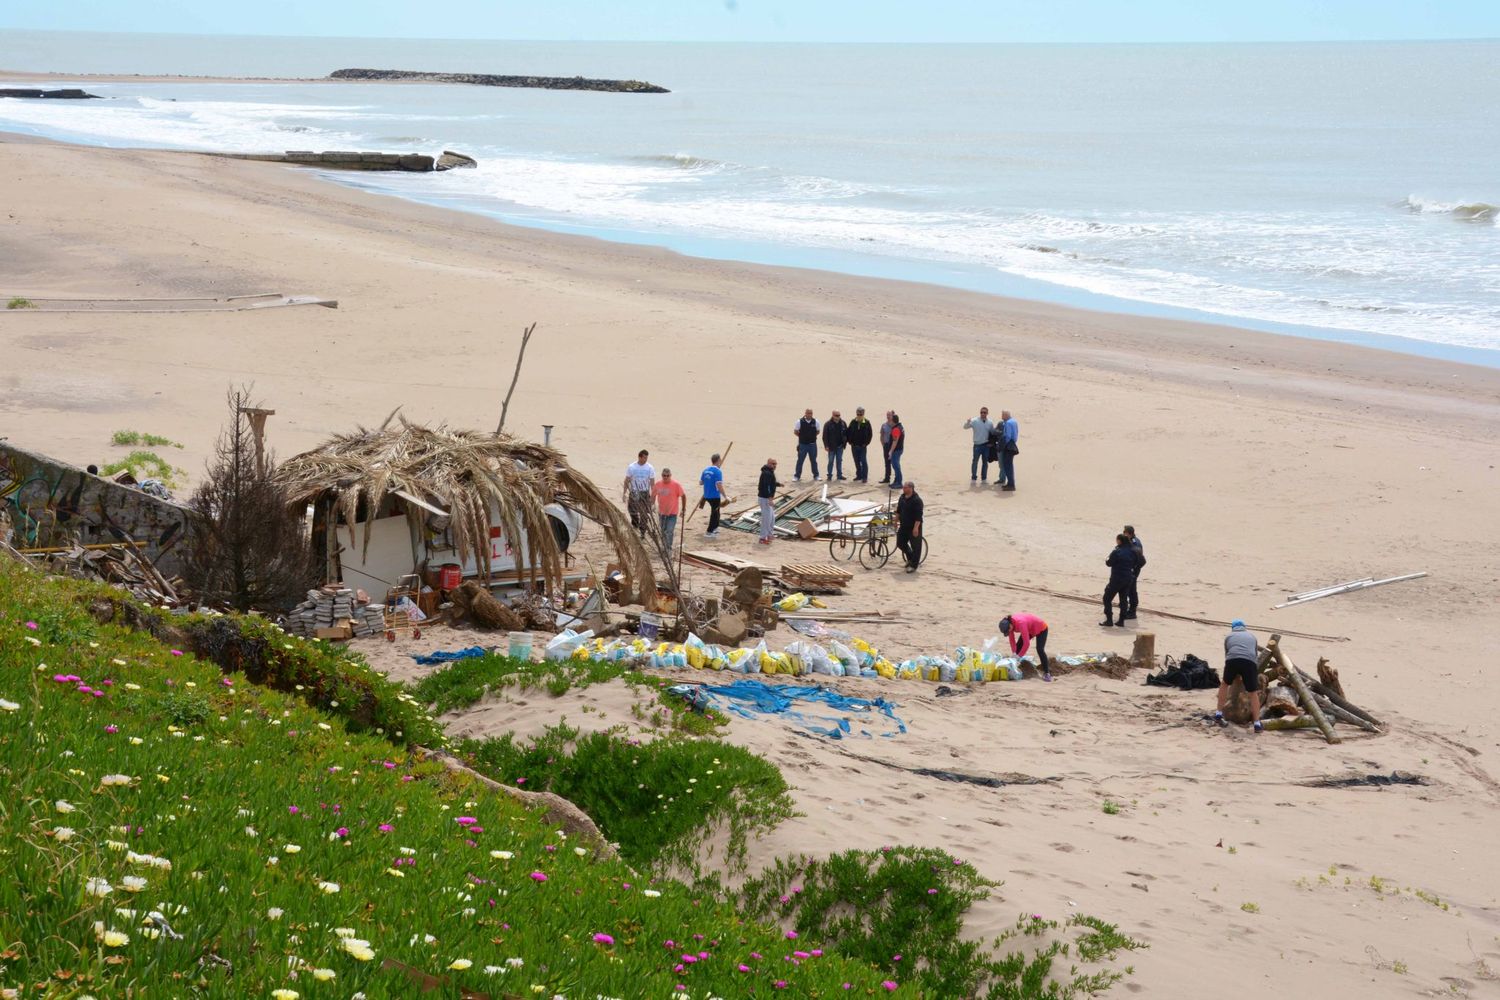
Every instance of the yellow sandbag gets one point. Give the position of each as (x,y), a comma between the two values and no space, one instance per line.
(792,602)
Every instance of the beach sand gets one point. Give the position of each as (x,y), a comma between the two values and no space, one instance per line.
(1252,465)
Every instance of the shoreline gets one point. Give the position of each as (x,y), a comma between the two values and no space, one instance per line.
(1027,306)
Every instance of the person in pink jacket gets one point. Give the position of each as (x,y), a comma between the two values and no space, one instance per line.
(1021,628)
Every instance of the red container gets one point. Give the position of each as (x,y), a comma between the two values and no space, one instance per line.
(450,576)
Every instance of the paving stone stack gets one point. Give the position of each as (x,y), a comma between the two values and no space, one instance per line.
(332,606)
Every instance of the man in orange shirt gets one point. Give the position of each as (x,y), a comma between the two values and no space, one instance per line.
(671,502)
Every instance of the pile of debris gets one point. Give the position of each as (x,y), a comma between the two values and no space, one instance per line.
(1294,699)
(808,513)
(120,564)
(336,612)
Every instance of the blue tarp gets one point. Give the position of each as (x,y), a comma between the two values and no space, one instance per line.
(748,698)
(445,656)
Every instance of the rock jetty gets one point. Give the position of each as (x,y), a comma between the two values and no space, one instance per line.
(492,80)
(69,94)
(415,163)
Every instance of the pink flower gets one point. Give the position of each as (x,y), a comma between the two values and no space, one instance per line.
(408,777)
(476,829)
(538,877)
(385,828)
(97,694)
(755,955)
(889,984)
(31,625)
(744,967)
(342,831)
(111,728)
(465,820)
(791,935)
(603,939)
(780,984)
(293,810)
(932,892)
(389,765)
(895,958)
(801,954)
(226,682)
(817,953)
(520,781)
(176,652)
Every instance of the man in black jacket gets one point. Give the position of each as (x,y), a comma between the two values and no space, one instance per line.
(765,490)
(1121,563)
(1140,564)
(835,436)
(909,525)
(861,433)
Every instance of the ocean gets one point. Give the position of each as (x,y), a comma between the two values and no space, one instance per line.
(1337,190)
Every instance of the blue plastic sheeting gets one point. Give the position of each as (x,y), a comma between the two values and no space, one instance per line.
(445,656)
(749,699)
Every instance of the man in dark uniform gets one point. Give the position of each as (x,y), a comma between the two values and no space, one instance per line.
(909,525)
(1121,563)
(806,432)
(1140,564)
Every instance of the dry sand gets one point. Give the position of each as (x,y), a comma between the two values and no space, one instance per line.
(1253,466)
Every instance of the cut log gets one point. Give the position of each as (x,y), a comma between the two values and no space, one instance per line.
(1329,676)
(1308,701)
(1143,653)
(1332,710)
(1300,722)
(1344,703)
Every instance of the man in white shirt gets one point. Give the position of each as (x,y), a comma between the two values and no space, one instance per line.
(640,479)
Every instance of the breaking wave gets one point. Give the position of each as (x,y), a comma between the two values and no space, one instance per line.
(1474,211)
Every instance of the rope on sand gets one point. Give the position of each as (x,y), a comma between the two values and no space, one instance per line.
(1006,585)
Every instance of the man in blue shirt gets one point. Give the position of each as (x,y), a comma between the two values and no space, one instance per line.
(1010,447)
(713,493)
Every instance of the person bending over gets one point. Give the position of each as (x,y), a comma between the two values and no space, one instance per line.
(1021,628)
(1239,661)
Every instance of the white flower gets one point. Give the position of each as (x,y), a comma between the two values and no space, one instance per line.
(250,831)
(132,883)
(408,851)
(501,855)
(291,848)
(97,887)
(650,893)
(116,779)
(8,706)
(344,932)
(274,913)
(514,963)
(358,949)
(64,806)
(490,970)
(329,887)
(114,939)
(580,851)
(62,833)
(323,975)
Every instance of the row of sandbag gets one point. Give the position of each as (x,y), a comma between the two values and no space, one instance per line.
(856,658)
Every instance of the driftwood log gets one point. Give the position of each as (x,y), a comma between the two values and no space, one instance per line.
(1329,677)
(1294,722)
(484,608)
(1291,673)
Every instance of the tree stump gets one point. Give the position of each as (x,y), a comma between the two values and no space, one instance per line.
(1144,652)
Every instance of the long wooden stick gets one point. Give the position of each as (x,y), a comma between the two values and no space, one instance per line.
(1329,708)
(1308,701)
(521,356)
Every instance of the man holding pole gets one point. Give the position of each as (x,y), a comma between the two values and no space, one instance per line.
(712,481)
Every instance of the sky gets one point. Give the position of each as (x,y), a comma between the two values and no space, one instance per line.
(782,20)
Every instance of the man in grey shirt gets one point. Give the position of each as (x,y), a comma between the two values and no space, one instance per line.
(1239,661)
(983,427)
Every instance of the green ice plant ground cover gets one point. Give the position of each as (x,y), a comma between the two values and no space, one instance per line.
(173,830)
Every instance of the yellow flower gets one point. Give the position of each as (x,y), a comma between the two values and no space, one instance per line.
(163,778)
(460,964)
(323,975)
(501,855)
(284,994)
(115,939)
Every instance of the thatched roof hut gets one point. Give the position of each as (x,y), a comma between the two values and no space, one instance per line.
(477,480)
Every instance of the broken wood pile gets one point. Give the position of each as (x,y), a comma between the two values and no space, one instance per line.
(120,564)
(1294,699)
(815,578)
(806,513)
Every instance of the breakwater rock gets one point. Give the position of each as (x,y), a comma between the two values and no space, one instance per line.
(69,94)
(415,163)
(492,80)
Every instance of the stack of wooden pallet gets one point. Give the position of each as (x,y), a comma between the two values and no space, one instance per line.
(818,578)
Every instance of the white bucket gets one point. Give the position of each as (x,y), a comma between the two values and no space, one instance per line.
(520,646)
